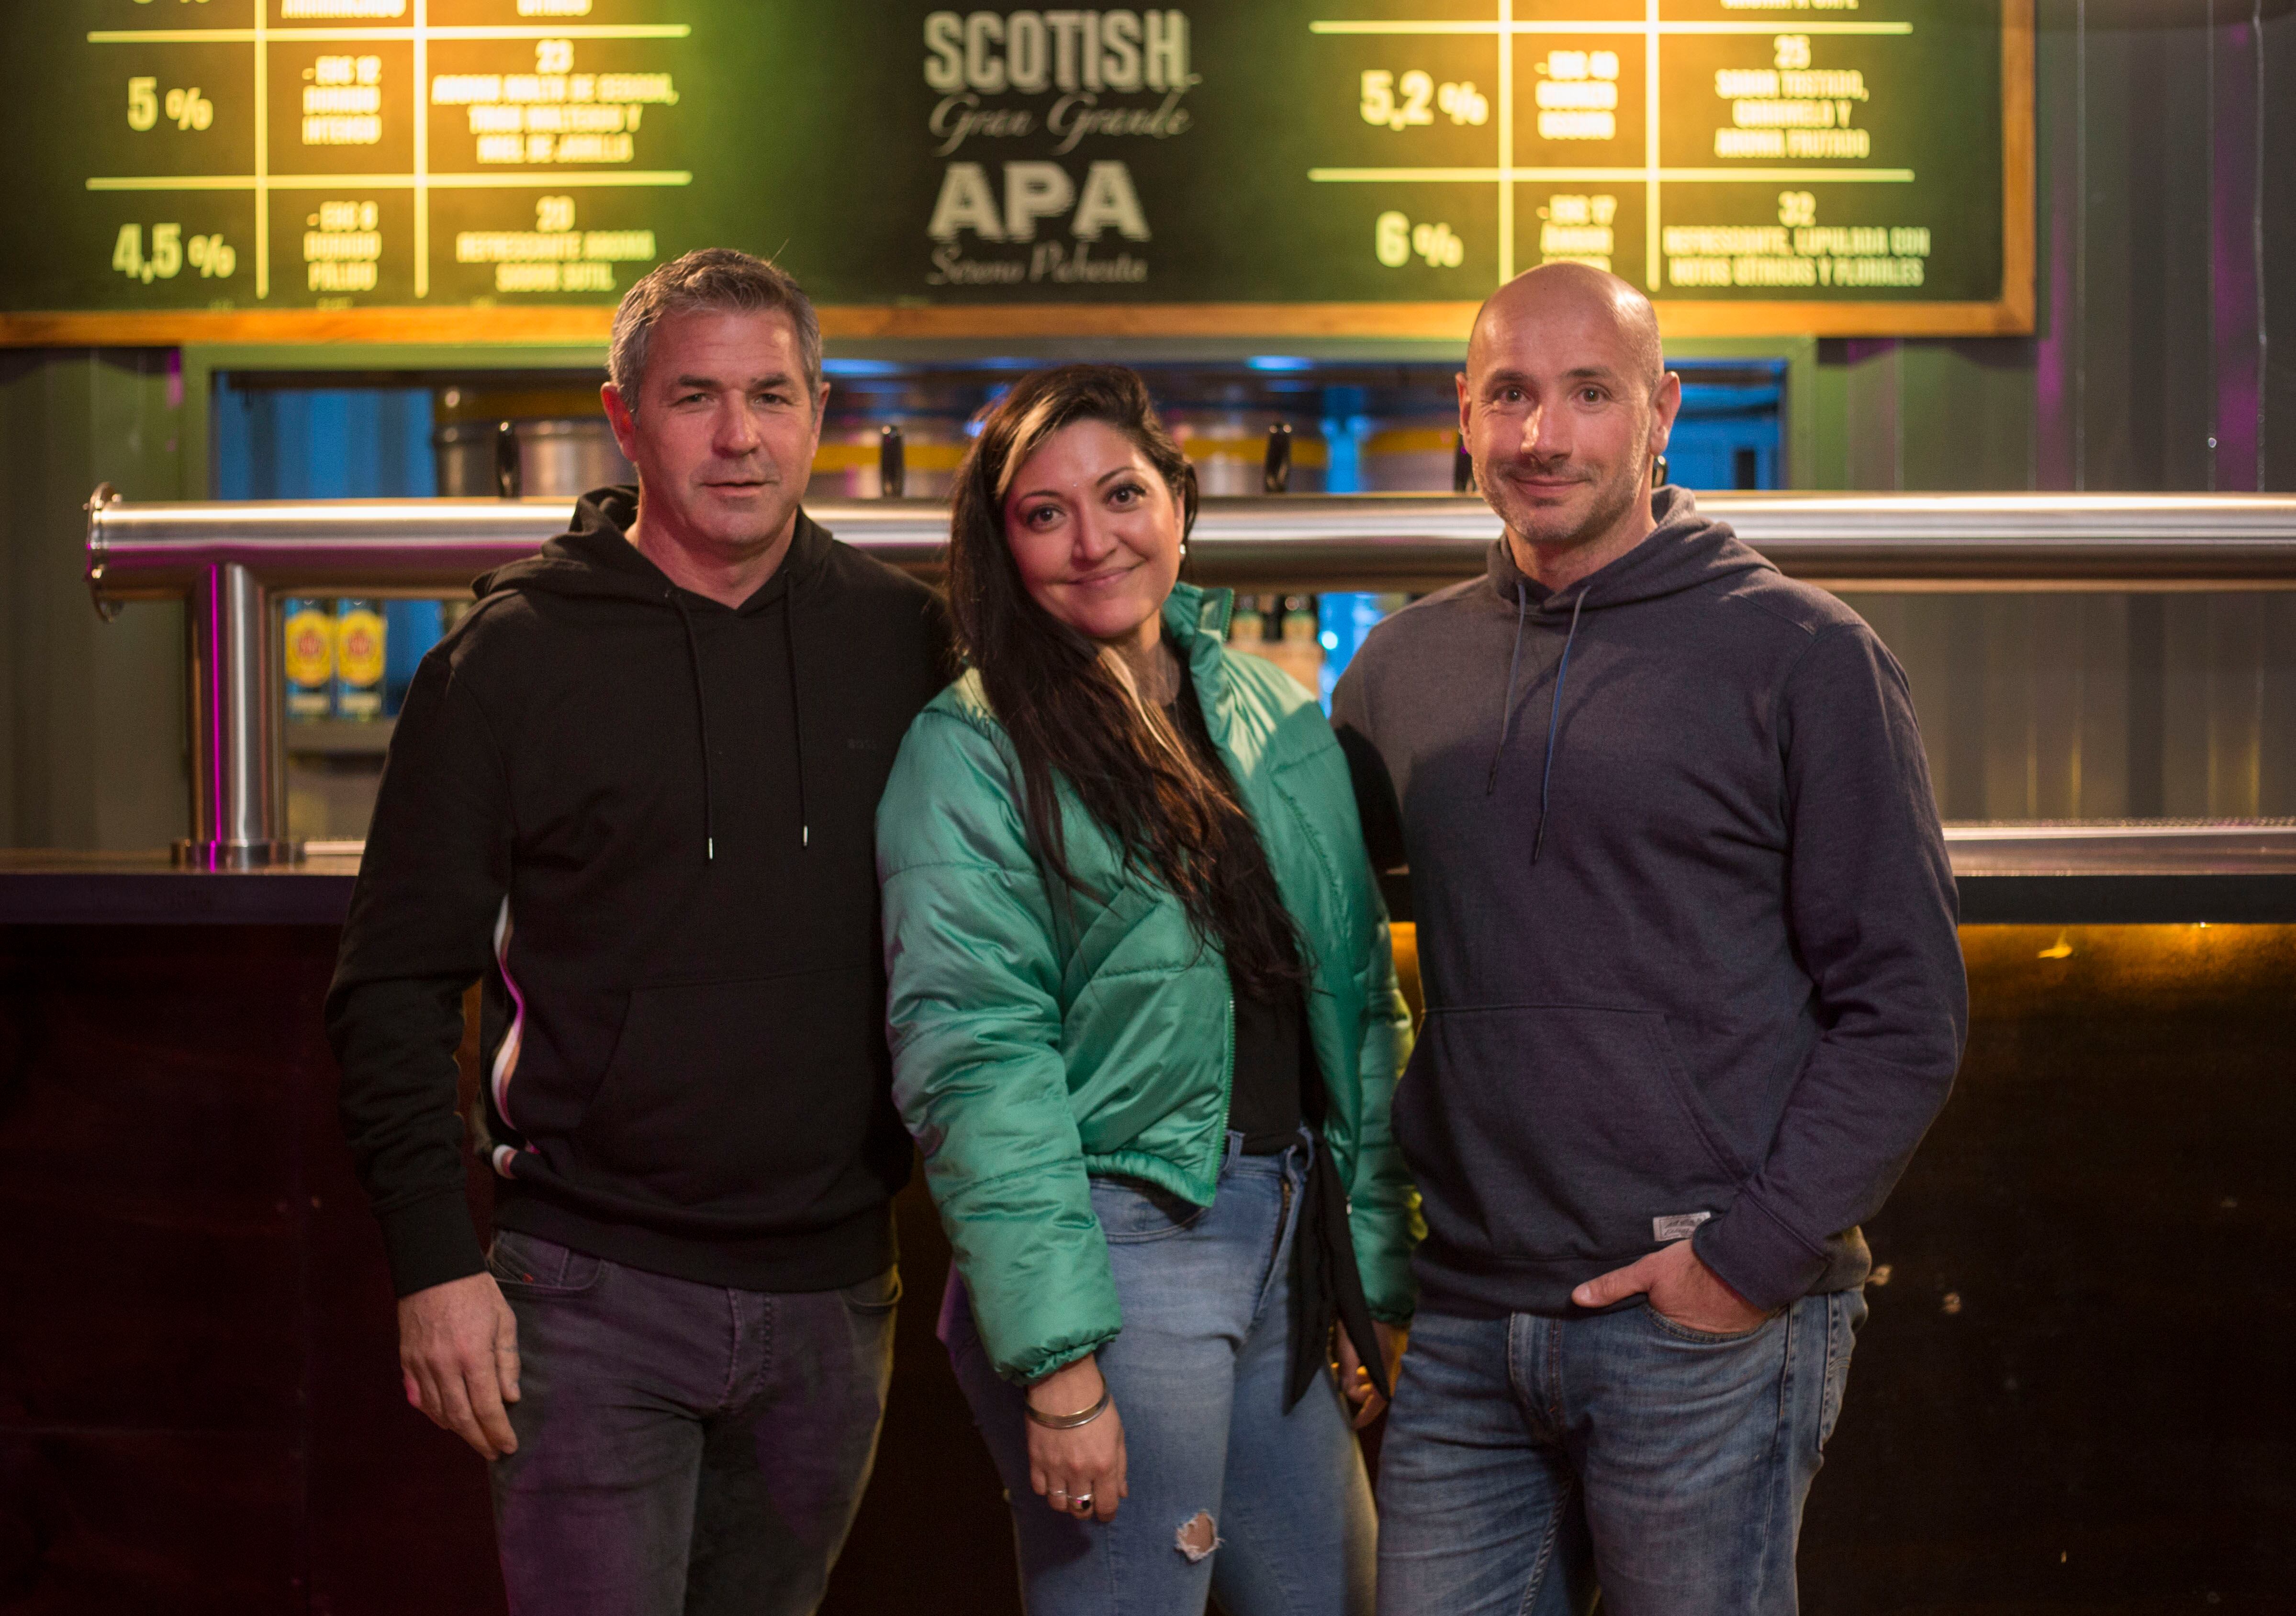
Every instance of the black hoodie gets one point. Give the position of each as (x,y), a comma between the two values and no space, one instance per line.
(1685,923)
(645,820)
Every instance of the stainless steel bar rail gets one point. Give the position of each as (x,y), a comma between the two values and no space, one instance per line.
(230,560)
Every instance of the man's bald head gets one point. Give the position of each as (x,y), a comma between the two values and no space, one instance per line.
(1565,406)
(1575,295)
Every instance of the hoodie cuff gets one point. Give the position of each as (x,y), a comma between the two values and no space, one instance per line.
(1758,1257)
(431,1242)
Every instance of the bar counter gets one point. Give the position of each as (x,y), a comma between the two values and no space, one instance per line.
(200,1403)
(58,888)
(2088,872)
(2072,1394)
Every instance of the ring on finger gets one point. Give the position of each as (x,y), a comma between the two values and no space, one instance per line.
(1081,1502)
(1059,1495)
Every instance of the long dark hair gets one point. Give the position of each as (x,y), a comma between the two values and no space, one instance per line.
(1071,707)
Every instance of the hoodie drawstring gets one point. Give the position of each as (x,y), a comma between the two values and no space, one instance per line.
(797,716)
(701,711)
(1555,725)
(1554,713)
(1506,712)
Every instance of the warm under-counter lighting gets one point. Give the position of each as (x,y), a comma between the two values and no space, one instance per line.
(2014,969)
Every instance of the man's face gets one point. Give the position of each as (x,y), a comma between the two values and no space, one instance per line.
(1557,411)
(724,430)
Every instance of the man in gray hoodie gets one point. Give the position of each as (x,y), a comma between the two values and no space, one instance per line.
(1693,995)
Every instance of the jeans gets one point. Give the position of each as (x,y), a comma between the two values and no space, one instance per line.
(1531,1460)
(1198,1377)
(682,1446)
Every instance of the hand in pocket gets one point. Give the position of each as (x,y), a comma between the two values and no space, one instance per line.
(1681,1288)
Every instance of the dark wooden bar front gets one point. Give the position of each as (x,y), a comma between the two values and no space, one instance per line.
(200,1404)
(2073,1396)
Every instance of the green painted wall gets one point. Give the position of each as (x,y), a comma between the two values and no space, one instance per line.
(2167,239)
(92,731)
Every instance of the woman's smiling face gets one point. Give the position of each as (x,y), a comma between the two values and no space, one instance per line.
(1095,533)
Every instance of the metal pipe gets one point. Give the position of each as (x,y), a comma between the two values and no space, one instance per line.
(237,815)
(230,560)
(159,551)
(1361,541)
(2266,847)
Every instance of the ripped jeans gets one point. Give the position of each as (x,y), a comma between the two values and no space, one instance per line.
(1198,1376)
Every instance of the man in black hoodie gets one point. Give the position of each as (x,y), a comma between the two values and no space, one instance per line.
(1685,928)
(633,794)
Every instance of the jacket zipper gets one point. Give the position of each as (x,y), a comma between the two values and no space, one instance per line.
(1228,1096)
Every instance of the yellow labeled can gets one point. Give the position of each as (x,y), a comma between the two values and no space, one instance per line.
(358,661)
(307,658)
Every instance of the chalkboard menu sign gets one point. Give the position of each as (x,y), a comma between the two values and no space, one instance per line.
(507,168)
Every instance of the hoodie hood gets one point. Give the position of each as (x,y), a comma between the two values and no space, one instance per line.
(1686,551)
(595,557)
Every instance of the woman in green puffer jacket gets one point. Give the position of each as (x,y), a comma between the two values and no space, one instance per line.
(1145,1029)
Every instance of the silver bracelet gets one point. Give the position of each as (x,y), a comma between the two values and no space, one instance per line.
(1070,1422)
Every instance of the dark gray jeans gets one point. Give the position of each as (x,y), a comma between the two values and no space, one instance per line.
(682,1446)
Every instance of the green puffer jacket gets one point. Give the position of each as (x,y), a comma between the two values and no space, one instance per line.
(1038,1037)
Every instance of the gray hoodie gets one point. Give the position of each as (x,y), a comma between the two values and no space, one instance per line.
(1686,923)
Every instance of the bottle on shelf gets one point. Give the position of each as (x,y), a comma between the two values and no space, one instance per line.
(1246,625)
(307,658)
(1294,647)
(359,663)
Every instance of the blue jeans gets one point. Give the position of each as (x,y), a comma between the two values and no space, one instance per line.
(682,1446)
(1198,1376)
(1529,1461)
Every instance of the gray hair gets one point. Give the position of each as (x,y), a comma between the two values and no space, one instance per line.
(719,279)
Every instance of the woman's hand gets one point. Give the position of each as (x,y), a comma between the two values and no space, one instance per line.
(1355,1380)
(1078,1472)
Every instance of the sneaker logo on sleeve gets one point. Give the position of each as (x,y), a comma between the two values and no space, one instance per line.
(1677,1226)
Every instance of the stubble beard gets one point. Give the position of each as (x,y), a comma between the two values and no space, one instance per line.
(748,536)
(1612,499)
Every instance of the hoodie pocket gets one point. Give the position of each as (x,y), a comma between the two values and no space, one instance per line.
(1557,1132)
(741,1097)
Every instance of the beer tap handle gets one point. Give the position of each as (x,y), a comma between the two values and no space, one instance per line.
(892,473)
(508,483)
(1276,475)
